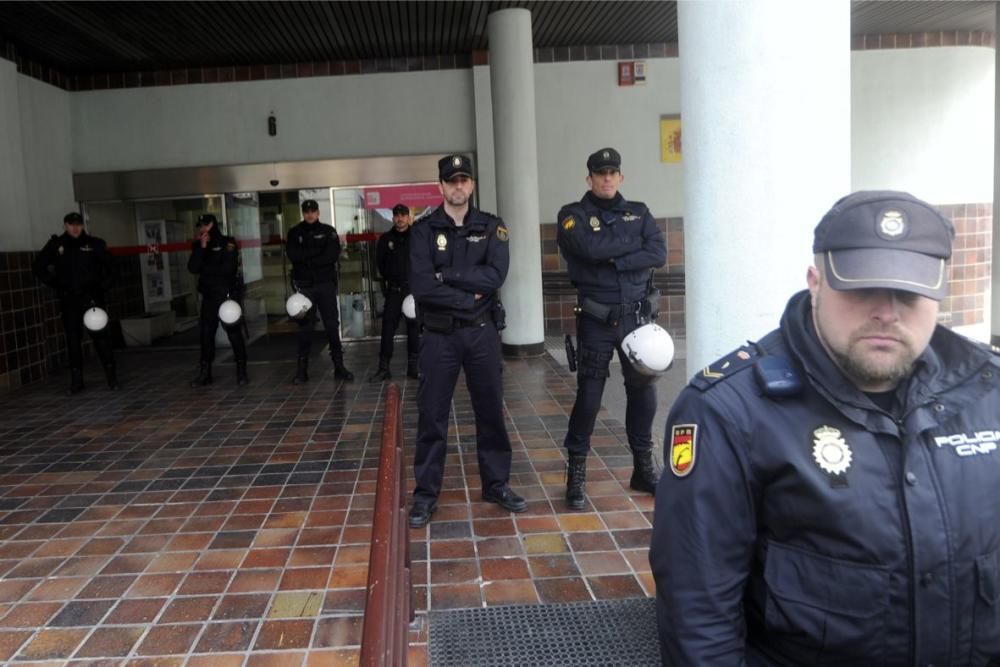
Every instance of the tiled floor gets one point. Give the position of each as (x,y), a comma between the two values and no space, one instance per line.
(230,526)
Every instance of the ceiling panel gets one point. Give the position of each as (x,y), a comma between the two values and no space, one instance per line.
(87,37)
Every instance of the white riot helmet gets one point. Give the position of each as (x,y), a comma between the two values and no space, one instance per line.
(298,305)
(650,349)
(95,319)
(410,307)
(230,312)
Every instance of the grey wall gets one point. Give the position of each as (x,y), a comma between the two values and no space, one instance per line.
(36,182)
(318,118)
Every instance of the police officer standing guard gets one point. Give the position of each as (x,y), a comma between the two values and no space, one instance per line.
(392,257)
(459,257)
(79,267)
(611,247)
(832,494)
(215,259)
(314,250)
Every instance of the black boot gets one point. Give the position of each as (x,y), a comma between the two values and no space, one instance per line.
(241,373)
(204,377)
(412,366)
(644,473)
(383,373)
(301,371)
(576,475)
(112,376)
(75,381)
(339,370)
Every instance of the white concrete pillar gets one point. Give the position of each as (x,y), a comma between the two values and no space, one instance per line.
(15,231)
(995,262)
(516,165)
(765,106)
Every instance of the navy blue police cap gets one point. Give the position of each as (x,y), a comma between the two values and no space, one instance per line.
(451,166)
(885,239)
(605,158)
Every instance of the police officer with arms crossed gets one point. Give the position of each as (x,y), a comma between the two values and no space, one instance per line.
(79,267)
(459,258)
(314,250)
(392,257)
(611,247)
(833,489)
(215,259)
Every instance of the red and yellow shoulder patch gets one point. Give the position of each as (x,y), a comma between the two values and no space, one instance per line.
(569,223)
(683,448)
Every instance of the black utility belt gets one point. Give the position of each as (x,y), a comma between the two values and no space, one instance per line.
(447,323)
(612,313)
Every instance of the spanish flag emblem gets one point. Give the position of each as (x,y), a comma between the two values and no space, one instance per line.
(683,448)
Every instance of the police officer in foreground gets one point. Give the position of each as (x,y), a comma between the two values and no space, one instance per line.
(215,259)
(392,258)
(459,258)
(79,267)
(314,250)
(611,247)
(832,494)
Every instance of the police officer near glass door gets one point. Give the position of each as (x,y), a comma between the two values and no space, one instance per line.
(79,267)
(392,258)
(459,257)
(832,489)
(611,247)
(215,259)
(314,251)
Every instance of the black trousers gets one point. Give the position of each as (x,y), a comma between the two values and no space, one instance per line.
(72,307)
(476,350)
(597,343)
(324,300)
(391,314)
(209,322)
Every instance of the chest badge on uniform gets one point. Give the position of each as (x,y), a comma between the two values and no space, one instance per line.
(392,246)
(569,223)
(62,250)
(831,451)
(502,234)
(442,241)
(629,216)
(683,448)
(595,224)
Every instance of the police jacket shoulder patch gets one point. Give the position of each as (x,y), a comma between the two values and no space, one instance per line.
(738,360)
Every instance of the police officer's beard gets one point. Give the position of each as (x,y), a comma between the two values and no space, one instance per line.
(457,198)
(870,369)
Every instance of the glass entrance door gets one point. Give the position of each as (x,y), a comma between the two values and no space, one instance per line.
(361,215)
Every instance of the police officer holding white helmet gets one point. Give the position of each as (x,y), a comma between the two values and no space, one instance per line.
(215,259)
(611,246)
(79,267)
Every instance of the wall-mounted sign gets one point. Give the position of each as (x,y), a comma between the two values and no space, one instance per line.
(670,139)
(639,72)
(626,73)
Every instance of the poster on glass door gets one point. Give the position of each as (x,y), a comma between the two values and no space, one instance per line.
(154,264)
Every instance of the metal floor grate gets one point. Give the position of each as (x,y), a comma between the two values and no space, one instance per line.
(578,634)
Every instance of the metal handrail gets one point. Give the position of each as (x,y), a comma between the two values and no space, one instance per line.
(389,608)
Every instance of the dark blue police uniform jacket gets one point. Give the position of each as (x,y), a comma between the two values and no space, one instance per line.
(818,529)
(610,252)
(471,259)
